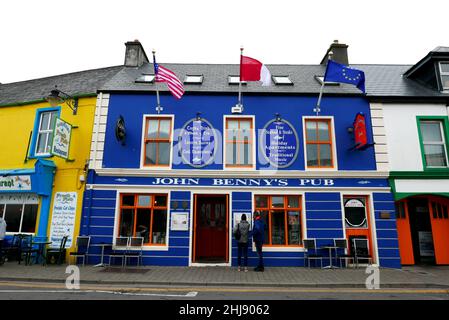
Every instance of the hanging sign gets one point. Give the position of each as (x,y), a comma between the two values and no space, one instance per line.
(279,143)
(63,218)
(15,183)
(197,143)
(61,139)
(360,131)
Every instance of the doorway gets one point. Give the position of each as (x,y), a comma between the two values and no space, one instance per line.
(210,232)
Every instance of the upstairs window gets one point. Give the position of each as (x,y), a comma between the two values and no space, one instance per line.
(44,132)
(433,144)
(444,74)
(157,141)
(319,147)
(239,142)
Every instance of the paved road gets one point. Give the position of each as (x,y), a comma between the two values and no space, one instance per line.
(57,291)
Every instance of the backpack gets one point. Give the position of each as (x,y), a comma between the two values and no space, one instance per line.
(237,233)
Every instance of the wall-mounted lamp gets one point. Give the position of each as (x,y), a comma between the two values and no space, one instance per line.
(198,116)
(278,117)
(350,129)
(57,96)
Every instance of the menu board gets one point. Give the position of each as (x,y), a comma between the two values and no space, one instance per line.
(179,221)
(63,218)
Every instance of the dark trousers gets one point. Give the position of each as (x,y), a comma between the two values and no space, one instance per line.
(1,251)
(259,253)
(242,248)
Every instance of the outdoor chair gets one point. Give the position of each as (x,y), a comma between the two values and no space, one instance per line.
(27,249)
(120,249)
(58,254)
(361,251)
(311,252)
(82,248)
(342,246)
(134,249)
(12,248)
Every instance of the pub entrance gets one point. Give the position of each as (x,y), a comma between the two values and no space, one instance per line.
(210,230)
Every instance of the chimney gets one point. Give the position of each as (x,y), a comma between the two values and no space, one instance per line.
(135,55)
(340,53)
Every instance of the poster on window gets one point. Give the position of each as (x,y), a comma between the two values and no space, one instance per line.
(61,139)
(425,244)
(179,221)
(238,217)
(63,218)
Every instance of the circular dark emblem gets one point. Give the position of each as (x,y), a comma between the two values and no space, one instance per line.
(120,130)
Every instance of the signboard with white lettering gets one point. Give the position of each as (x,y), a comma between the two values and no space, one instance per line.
(15,183)
(279,143)
(63,218)
(61,139)
(198,143)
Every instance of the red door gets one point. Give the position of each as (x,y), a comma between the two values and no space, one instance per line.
(357,220)
(439,219)
(210,229)
(404,232)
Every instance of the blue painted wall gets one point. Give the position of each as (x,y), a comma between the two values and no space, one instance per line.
(133,106)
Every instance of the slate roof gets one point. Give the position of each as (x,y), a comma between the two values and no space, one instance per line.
(77,83)
(383,81)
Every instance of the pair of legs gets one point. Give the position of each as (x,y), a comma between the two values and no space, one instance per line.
(242,249)
(259,253)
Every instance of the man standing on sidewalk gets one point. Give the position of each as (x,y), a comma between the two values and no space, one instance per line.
(258,237)
(2,236)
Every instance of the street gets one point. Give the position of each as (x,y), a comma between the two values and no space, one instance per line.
(12,290)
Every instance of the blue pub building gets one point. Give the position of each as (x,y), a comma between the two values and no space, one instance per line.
(181,177)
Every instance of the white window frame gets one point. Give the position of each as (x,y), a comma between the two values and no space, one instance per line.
(253,149)
(142,147)
(40,131)
(282,80)
(193,79)
(442,73)
(233,80)
(437,143)
(23,202)
(334,143)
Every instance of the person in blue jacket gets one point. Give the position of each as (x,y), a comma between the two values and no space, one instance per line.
(258,238)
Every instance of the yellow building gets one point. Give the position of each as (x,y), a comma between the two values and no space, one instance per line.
(44,152)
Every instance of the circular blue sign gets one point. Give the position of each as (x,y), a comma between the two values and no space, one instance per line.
(279,143)
(198,143)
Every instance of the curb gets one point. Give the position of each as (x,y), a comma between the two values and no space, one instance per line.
(234,284)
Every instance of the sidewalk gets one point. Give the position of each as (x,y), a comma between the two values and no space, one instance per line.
(408,277)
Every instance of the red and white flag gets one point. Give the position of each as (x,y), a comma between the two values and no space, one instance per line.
(174,84)
(253,70)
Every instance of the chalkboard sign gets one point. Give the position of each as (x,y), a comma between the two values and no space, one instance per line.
(279,143)
(197,143)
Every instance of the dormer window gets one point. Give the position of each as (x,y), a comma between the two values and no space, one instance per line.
(444,75)
(234,80)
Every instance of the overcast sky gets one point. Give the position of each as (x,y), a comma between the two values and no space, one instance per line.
(41,38)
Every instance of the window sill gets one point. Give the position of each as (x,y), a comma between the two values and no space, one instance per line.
(144,248)
(279,249)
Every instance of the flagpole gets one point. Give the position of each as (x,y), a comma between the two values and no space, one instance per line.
(240,79)
(158,107)
(317,108)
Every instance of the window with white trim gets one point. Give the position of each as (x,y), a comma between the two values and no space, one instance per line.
(444,75)
(44,136)
(19,212)
(157,141)
(239,142)
(434,144)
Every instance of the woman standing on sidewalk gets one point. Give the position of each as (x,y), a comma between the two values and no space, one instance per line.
(242,243)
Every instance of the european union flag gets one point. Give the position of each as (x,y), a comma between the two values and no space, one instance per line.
(337,72)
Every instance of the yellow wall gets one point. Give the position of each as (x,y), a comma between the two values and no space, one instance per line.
(16,123)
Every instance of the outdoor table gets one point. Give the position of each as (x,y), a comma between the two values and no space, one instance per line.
(330,266)
(41,253)
(102,245)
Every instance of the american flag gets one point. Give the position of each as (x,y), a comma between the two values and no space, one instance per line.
(173,83)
